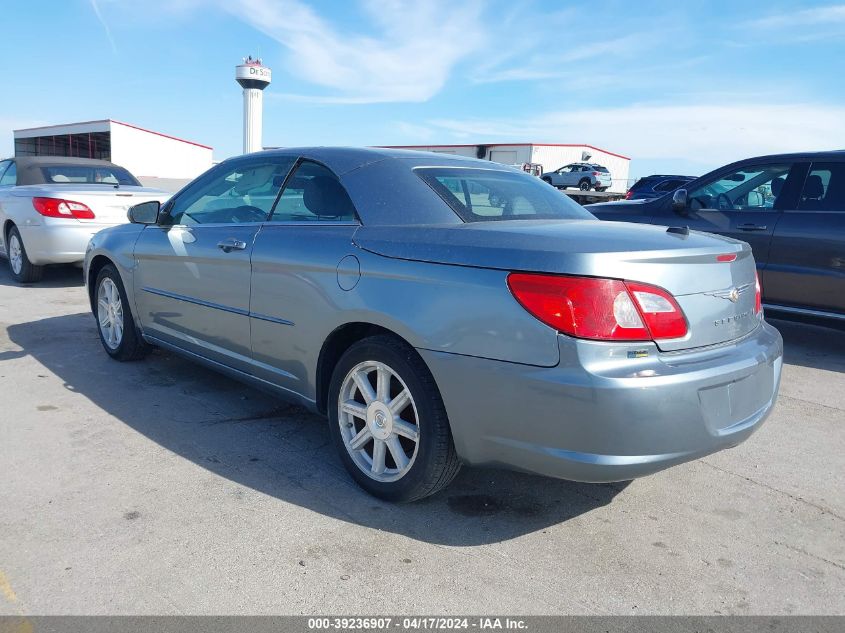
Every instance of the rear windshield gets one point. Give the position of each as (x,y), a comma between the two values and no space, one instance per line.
(479,195)
(88,174)
(601,169)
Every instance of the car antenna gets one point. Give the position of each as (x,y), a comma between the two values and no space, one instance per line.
(678,230)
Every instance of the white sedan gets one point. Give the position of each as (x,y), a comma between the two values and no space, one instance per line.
(50,206)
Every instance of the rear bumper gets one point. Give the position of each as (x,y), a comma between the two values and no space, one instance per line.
(600,416)
(59,241)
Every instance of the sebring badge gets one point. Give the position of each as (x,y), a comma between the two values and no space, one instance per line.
(732,319)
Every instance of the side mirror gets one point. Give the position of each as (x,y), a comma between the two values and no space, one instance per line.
(680,201)
(145,212)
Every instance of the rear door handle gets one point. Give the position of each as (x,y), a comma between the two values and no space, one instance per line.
(232,244)
(752,227)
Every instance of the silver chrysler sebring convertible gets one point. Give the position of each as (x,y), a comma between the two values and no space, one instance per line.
(441,311)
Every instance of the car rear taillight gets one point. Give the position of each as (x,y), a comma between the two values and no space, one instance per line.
(600,309)
(595,173)
(58,208)
(758,294)
(629,195)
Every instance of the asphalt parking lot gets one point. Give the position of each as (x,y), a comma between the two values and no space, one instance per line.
(159,487)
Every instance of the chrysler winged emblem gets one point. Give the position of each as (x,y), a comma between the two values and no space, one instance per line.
(732,294)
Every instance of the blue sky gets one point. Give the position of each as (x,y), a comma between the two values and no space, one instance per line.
(678,86)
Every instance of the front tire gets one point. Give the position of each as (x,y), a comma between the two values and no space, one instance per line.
(23,270)
(120,337)
(388,421)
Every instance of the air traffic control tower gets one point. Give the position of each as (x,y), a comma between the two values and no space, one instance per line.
(253,77)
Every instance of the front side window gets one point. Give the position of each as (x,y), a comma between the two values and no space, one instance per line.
(239,192)
(754,187)
(479,195)
(10,176)
(824,188)
(313,194)
(88,175)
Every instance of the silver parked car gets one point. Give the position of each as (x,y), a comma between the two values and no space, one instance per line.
(50,206)
(584,176)
(442,310)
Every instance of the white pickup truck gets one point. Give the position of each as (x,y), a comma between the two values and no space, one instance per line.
(50,206)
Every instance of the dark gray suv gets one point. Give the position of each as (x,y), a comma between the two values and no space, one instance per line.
(790,208)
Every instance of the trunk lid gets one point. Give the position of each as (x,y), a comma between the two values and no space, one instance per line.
(685,265)
(108,203)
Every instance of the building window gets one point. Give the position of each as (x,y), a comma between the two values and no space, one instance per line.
(85,145)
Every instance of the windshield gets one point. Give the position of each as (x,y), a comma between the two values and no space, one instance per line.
(481,195)
(89,175)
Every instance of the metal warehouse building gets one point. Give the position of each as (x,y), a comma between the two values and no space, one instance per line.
(151,156)
(550,155)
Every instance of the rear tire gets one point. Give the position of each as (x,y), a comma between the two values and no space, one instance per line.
(584,185)
(23,270)
(120,337)
(388,421)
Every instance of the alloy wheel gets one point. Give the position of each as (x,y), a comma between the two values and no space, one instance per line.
(110,313)
(15,254)
(378,421)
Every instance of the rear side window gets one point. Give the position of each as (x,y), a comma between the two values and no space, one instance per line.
(824,188)
(313,194)
(10,176)
(483,195)
(89,175)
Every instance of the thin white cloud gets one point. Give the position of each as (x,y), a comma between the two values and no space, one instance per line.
(565,64)
(704,133)
(797,27)
(412,131)
(96,7)
(817,16)
(409,58)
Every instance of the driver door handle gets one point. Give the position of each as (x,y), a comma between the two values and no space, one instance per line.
(231,244)
(752,227)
